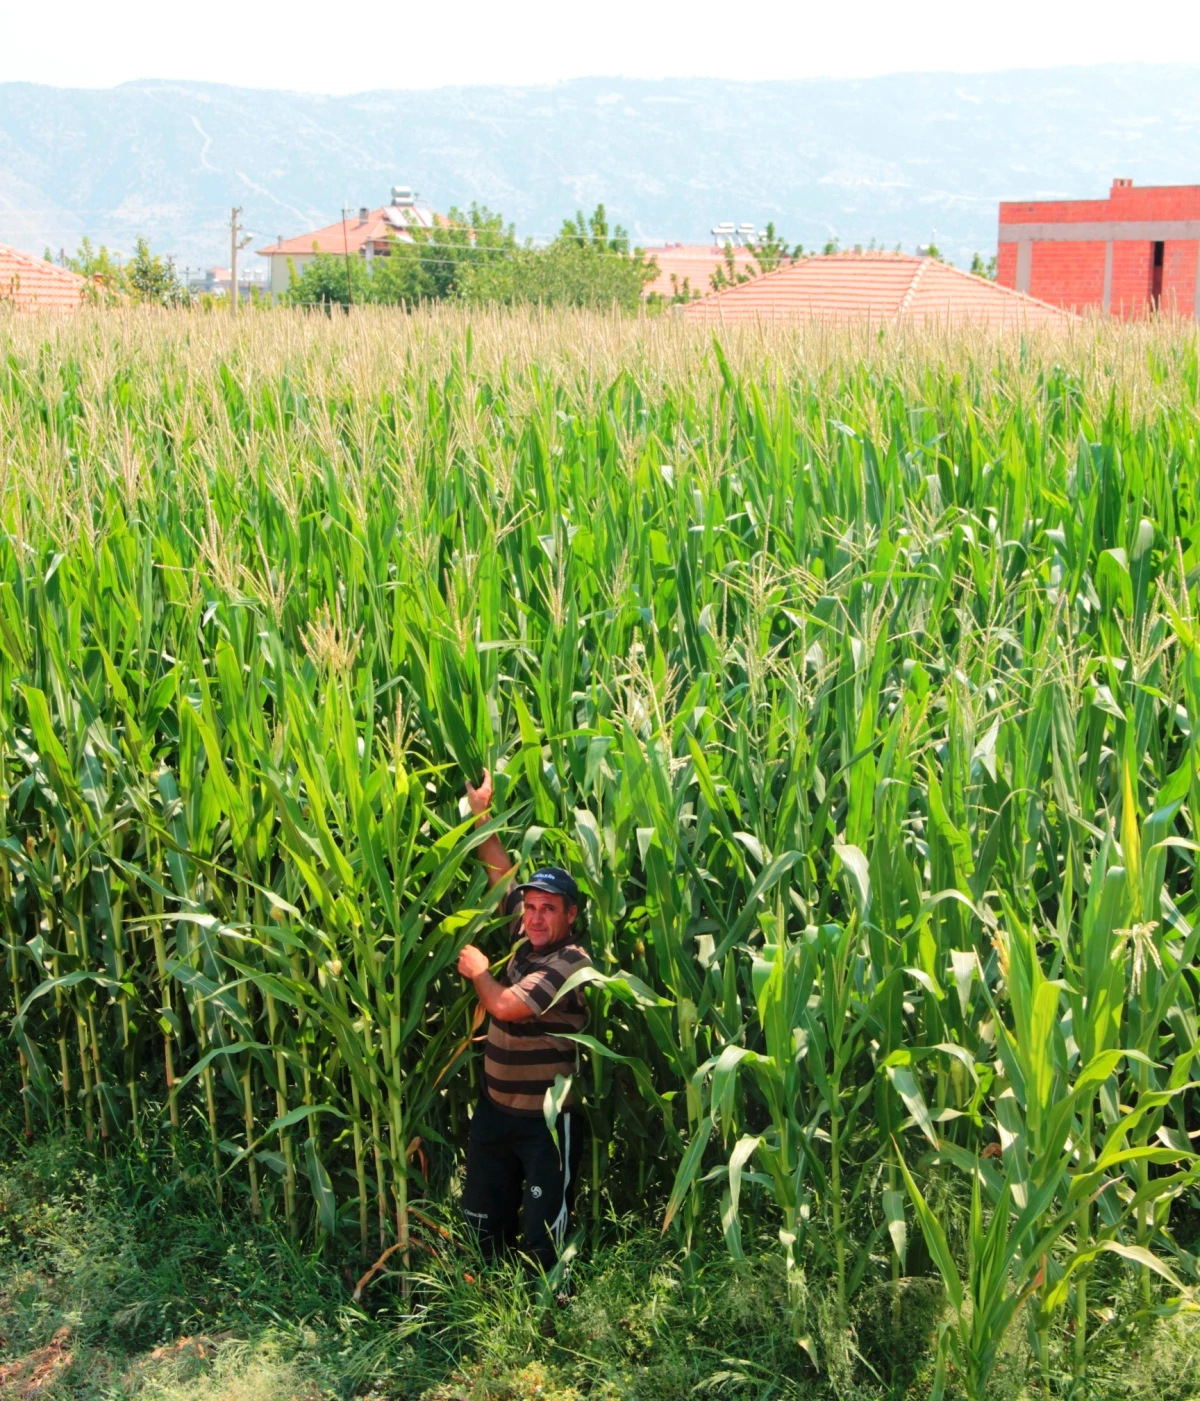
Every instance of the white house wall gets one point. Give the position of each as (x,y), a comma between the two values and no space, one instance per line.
(281,278)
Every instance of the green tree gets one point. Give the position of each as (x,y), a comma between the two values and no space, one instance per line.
(428,266)
(150,280)
(729,275)
(329,280)
(587,265)
(593,233)
(474,256)
(982,269)
(682,292)
(432,265)
(771,250)
(103,272)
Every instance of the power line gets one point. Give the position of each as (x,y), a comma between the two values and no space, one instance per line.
(66,209)
(494,251)
(701,273)
(124,223)
(492,254)
(508,254)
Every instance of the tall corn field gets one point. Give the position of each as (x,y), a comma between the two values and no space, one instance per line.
(856,677)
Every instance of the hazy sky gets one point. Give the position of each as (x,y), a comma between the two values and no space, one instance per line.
(340,48)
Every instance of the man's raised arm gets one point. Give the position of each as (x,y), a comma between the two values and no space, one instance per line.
(490,851)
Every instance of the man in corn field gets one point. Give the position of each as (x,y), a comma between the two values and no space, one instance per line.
(513,1163)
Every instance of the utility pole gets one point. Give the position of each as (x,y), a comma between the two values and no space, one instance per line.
(236,241)
(346,252)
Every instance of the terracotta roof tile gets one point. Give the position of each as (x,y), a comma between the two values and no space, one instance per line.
(352,235)
(695,262)
(875,288)
(950,296)
(32,284)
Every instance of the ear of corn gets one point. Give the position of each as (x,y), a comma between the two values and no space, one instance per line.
(860,692)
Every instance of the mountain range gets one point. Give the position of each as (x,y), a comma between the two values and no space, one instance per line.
(901,159)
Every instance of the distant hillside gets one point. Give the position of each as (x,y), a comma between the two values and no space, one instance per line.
(891,158)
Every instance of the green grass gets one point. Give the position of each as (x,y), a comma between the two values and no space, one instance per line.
(163,1296)
(144,1291)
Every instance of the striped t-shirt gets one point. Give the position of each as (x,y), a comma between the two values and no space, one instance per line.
(521,1059)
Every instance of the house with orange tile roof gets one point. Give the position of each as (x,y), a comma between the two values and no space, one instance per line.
(368,235)
(31,284)
(686,269)
(875,289)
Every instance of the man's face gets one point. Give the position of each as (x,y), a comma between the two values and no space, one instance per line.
(546,918)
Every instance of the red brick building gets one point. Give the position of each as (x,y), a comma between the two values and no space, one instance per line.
(1135,251)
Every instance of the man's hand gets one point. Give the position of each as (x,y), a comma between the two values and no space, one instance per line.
(472,961)
(500,1001)
(479,800)
(491,852)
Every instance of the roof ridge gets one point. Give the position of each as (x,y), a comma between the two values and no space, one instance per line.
(906,300)
(1000,287)
(39,264)
(758,281)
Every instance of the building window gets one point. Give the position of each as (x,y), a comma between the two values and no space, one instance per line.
(1156,276)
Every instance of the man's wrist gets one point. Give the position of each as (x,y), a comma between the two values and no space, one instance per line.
(487,989)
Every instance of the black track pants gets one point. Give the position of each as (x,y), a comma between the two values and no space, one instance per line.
(513,1165)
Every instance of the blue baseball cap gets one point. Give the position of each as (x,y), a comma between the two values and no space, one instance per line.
(554,881)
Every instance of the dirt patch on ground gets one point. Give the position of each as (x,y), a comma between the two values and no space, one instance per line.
(188,1347)
(217,1367)
(34,1374)
(530,1383)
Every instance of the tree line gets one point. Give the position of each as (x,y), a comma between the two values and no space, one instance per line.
(473,256)
(468,256)
(147,278)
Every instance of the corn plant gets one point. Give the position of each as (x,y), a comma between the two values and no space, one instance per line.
(856,678)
